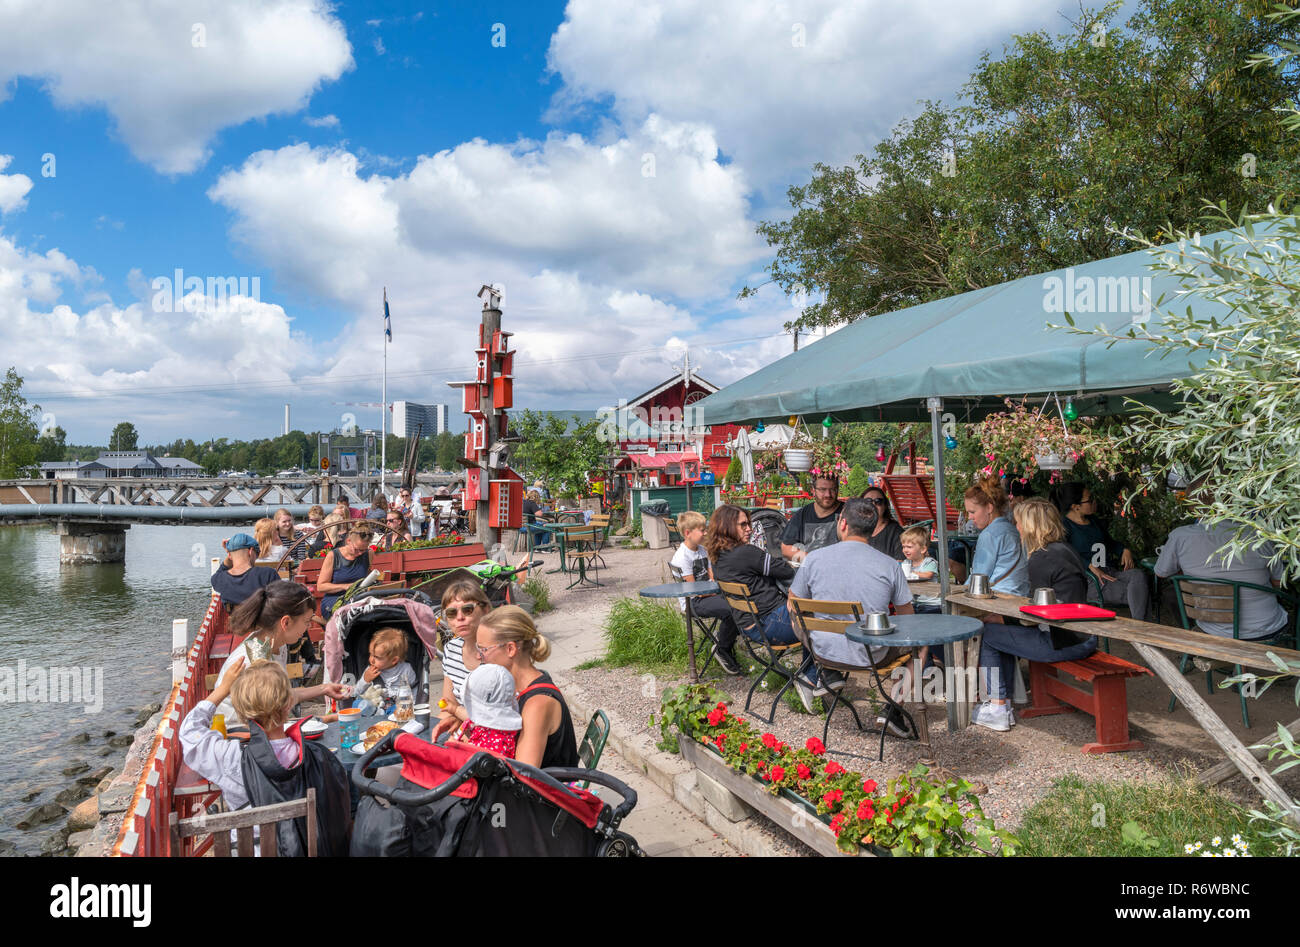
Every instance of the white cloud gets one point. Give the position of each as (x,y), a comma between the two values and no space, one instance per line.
(173,73)
(13,188)
(587,248)
(778,106)
(108,348)
(325,121)
(379,45)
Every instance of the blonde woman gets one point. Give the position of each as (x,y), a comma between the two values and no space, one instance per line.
(1052,563)
(508,637)
(337,522)
(267,546)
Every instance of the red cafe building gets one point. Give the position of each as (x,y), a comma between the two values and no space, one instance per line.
(660,440)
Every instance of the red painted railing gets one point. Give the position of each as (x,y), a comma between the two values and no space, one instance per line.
(146,830)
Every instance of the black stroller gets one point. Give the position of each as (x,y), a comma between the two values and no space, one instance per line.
(459,801)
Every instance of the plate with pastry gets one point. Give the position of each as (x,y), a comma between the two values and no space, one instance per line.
(377,733)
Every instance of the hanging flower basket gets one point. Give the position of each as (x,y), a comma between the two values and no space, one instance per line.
(798,460)
(1048,459)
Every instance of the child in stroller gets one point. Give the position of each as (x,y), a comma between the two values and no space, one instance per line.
(353,626)
(387,668)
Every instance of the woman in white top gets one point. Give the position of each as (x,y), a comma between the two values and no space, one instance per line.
(273,618)
(463,606)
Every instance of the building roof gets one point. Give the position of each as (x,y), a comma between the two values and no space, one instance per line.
(675,380)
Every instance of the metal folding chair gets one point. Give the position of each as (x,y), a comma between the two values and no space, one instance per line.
(767,654)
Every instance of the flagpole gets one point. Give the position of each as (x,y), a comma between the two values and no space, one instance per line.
(383,409)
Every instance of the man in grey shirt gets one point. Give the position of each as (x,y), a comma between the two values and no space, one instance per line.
(1197,550)
(850,571)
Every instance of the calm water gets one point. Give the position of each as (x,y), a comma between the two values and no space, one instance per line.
(114,620)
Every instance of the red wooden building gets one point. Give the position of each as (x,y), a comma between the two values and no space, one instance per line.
(660,437)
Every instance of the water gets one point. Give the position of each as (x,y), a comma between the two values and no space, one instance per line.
(113,621)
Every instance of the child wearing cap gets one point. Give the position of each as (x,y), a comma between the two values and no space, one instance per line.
(494,720)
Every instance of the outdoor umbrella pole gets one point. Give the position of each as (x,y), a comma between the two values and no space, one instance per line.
(941,531)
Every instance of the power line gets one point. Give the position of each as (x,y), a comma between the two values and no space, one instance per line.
(466,372)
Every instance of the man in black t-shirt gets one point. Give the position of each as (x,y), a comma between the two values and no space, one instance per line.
(813,526)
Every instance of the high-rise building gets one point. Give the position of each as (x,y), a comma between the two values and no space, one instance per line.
(431,419)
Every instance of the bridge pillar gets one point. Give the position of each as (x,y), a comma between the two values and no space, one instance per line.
(90,543)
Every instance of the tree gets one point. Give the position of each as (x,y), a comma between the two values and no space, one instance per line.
(51,446)
(17,427)
(450,448)
(124,437)
(560,455)
(1061,148)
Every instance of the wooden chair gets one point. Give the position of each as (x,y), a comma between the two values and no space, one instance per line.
(580,549)
(600,521)
(767,654)
(1219,601)
(242,822)
(804,617)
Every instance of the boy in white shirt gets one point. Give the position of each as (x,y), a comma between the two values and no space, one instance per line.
(692,562)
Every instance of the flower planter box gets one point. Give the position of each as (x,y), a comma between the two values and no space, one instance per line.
(792,813)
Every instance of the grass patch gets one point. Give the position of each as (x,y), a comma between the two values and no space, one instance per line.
(645,633)
(541,594)
(1100,819)
(591,664)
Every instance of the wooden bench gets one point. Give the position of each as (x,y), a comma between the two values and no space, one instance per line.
(1107,702)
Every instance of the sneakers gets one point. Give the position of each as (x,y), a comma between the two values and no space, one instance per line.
(895,723)
(807,691)
(727,660)
(993,716)
(830,681)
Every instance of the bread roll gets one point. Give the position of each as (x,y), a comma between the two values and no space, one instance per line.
(376,733)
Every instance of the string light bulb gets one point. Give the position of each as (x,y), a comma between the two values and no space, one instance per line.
(759,427)
(1070,412)
(950,442)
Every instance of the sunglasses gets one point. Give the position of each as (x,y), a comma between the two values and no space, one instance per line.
(464,610)
(742,524)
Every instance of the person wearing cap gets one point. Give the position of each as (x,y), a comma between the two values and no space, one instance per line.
(494,719)
(240,576)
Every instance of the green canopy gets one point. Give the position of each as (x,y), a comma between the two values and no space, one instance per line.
(974,349)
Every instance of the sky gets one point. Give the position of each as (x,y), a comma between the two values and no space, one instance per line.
(606,162)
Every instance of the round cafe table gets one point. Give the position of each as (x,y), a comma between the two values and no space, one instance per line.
(687,591)
(919,631)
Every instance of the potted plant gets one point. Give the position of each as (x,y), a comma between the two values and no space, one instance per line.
(798,455)
(1021,441)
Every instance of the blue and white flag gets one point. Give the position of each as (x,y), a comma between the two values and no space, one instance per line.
(388,322)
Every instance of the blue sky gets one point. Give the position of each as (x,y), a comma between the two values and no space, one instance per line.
(605,160)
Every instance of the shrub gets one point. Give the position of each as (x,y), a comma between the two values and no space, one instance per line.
(541,594)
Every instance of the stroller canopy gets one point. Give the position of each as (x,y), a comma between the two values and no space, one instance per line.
(411,612)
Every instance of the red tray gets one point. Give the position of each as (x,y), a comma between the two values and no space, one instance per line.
(1067,612)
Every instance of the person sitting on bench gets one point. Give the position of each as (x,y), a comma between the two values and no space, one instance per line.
(1052,563)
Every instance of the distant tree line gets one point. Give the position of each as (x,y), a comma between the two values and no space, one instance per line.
(24,445)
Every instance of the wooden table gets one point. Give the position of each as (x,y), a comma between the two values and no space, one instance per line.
(1151,641)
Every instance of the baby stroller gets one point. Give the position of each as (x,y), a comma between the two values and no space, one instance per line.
(460,801)
(350,628)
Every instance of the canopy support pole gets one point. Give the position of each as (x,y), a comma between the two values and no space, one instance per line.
(941,531)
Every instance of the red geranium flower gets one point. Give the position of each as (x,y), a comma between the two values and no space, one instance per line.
(832,797)
(833,768)
(837,825)
(716,717)
(744,747)
(769,741)
(815,746)
(803,771)
(761,765)
(721,706)
(776,774)
(865,810)
(719,740)
(869,786)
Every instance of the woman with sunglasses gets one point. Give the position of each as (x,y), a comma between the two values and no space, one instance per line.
(464,604)
(736,560)
(888,535)
(508,638)
(397,531)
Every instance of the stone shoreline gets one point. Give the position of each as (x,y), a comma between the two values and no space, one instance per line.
(94,802)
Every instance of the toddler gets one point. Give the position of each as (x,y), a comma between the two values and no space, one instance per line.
(388,667)
(494,721)
(920,566)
